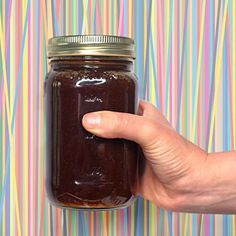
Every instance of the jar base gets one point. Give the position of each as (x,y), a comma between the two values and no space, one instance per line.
(91,207)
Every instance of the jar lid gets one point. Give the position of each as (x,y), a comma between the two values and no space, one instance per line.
(91,45)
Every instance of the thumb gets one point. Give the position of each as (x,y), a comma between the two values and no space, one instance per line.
(106,124)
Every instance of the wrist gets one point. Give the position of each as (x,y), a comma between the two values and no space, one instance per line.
(211,188)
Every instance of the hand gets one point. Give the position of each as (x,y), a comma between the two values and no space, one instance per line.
(171,159)
(178,175)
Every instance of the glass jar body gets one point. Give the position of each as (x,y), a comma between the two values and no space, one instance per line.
(83,170)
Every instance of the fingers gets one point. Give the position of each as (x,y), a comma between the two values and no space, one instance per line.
(139,129)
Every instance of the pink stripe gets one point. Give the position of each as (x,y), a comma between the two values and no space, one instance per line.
(98,18)
(206,225)
(230,82)
(42,197)
(121,19)
(161,57)
(30,197)
(132,17)
(1,95)
(199,117)
(68,222)
(35,173)
(57,8)
(206,70)
(175,65)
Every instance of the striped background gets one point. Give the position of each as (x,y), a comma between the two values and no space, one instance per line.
(186,64)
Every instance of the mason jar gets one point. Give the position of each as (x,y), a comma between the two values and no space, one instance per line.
(89,73)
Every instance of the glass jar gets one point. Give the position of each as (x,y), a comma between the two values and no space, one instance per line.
(89,73)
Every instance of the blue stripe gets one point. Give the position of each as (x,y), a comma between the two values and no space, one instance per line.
(125,222)
(194,224)
(125,17)
(160,221)
(54,18)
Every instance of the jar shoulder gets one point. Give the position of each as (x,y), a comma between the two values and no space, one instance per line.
(72,77)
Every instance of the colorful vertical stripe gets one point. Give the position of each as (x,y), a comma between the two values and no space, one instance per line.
(186,66)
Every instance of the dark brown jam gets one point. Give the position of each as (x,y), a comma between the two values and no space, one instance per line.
(83,170)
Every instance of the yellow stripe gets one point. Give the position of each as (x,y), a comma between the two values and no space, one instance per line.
(186,224)
(144,216)
(130,19)
(218,72)
(198,68)
(153,216)
(45,29)
(104,222)
(49,20)
(25,127)
(25,136)
(85,20)
(103,11)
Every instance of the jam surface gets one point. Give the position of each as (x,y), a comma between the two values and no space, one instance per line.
(83,170)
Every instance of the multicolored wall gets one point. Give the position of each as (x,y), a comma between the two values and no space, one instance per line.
(186,65)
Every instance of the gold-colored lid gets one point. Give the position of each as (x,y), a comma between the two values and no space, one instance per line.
(91,45)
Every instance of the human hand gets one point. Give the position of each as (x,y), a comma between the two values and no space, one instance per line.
(173,164)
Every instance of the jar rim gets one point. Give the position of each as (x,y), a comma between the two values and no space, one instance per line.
(91,45)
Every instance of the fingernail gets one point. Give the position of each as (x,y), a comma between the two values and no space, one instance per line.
(91,120)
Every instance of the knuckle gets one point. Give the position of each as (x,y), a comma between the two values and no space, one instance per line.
(151,128)
(120,122)
(151,133)
(114,123)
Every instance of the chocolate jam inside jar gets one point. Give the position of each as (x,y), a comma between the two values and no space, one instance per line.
(89,73)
